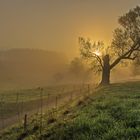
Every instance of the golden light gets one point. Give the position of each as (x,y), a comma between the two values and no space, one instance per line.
(97,53)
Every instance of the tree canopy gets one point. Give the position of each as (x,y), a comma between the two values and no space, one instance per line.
(125,44)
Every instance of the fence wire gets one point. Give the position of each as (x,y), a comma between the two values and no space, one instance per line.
(17,107)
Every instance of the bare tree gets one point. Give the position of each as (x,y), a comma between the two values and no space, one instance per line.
(125,46)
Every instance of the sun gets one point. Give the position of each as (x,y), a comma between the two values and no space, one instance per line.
(97,53)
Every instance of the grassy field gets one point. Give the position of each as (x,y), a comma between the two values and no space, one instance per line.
(15,103)
(108,113)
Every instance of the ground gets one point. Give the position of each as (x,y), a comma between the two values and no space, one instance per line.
(107,113)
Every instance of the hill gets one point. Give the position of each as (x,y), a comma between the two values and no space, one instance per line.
(25,68)
(108,113)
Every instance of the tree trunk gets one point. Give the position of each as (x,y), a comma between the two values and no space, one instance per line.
(106,71)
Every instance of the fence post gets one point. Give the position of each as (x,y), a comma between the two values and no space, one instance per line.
(41,109)
(25,123)
(2,111)
(22,107)
(17,100)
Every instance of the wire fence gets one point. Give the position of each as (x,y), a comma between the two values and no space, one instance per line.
(16,108)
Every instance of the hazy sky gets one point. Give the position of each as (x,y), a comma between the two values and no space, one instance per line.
(57,24)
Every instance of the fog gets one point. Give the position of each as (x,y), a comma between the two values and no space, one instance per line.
(31,68)
(25,68)
(49,29)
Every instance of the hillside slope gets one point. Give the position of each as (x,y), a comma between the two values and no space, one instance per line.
(109,113)
(25,68)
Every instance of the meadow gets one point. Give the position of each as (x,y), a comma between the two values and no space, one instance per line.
(107,113)
(14,104)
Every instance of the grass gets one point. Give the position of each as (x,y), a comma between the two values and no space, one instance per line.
(14,101)
(109,113)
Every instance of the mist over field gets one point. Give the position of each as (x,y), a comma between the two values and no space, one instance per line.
(28,68)
(56,26)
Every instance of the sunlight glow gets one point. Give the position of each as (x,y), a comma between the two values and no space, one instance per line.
(97,53)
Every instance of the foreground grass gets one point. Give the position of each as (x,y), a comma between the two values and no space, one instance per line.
(109,113)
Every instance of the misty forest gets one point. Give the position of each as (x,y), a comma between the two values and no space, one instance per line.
(70,70)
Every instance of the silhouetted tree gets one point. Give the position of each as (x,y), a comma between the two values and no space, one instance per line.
(125,46)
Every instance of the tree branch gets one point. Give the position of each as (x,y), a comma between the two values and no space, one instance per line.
(128,54)
(131,58)
(98,59)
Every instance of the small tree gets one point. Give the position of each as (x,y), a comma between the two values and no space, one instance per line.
(125,46)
